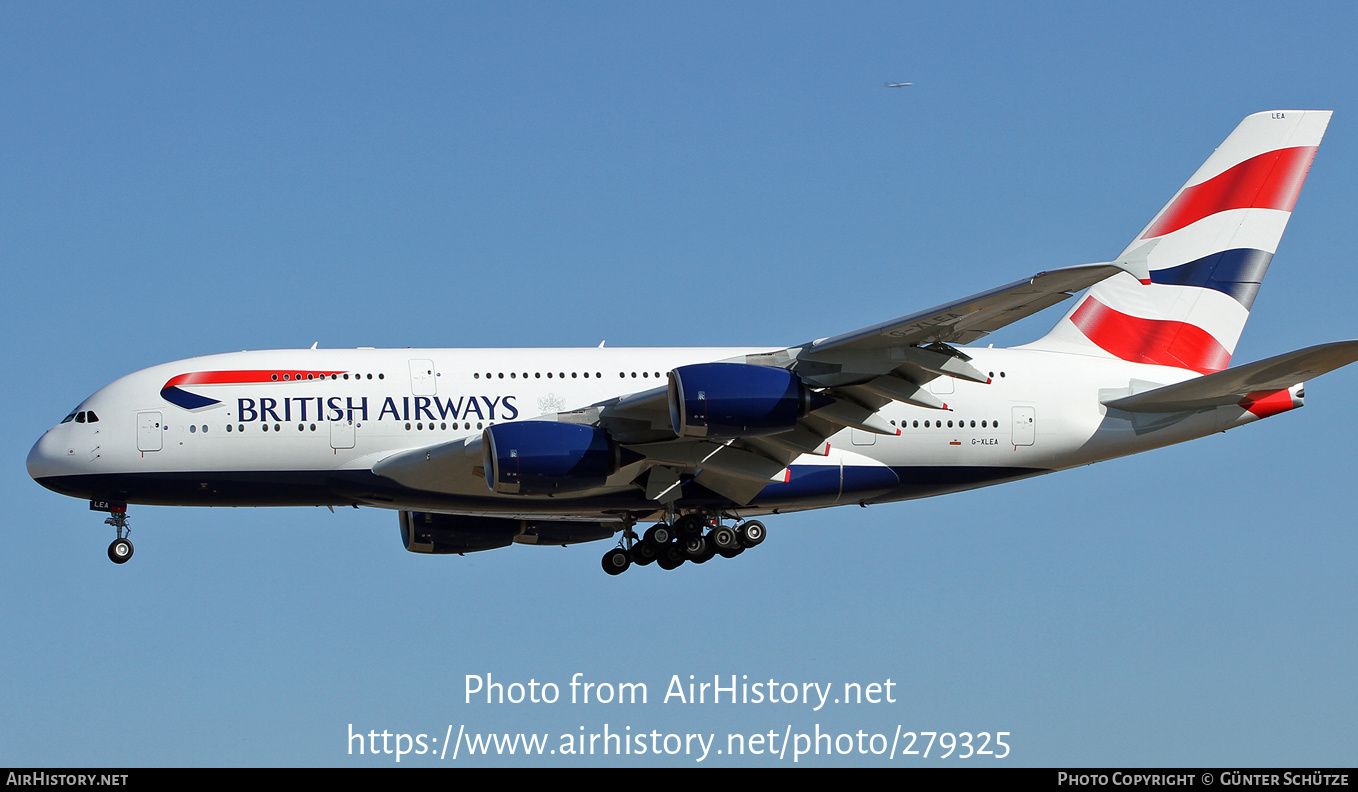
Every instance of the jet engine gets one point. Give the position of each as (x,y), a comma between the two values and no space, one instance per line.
(442,534)
(729,400)
(546,457)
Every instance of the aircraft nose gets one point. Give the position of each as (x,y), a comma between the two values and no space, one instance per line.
(49,458)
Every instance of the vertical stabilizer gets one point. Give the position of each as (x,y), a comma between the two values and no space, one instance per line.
(1205,253)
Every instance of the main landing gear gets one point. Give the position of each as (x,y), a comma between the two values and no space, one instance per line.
(121,550)
(694,537)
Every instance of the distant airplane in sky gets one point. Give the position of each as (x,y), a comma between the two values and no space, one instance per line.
(899,85)
(479,448)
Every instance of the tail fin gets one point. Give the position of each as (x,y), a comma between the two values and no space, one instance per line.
(1205,253)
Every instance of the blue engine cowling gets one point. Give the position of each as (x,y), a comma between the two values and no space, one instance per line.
(545,457)
(728,400)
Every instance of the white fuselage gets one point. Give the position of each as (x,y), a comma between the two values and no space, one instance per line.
(170,434)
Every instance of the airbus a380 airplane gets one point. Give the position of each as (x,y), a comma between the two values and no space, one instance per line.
(480,448)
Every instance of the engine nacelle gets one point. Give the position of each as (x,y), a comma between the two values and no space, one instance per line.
(728,400)
(544,457)
(442,534)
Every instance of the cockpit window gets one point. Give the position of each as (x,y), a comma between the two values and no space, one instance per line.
(91,417)
(68,418)
(80,417)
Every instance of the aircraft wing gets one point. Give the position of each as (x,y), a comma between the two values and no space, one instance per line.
(854,375)
(859,372)
(966,320)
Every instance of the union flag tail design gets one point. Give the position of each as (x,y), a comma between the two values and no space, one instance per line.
(1204,254)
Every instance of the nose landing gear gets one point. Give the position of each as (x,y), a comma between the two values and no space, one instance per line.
(121,549)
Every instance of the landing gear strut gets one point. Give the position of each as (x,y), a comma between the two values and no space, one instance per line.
(617,560)
(695,537)
(121,550)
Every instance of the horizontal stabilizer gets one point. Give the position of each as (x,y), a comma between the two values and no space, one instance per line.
(1233,385)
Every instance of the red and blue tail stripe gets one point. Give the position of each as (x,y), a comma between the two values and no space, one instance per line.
(1203,257)
(1269,181)
(1153,341)
(1237,273)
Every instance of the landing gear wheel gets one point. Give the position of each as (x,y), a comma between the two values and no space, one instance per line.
(732,553)
(615,561)
(723,538)
(120,551)
(665,562)
(690,525)
(672,556)
(695,547)
(751,533)
(709,550)
(659,534)
(644,552)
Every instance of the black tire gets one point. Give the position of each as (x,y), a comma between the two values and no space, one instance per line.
(710,551)
(690,525)
(695,547)
(120,551)
(616,561)
(732,553)
(671,557)
(644,552)
(723,537)
(752,533)
(674,554)
(659,534)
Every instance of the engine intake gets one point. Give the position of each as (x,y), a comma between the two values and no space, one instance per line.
(729,400)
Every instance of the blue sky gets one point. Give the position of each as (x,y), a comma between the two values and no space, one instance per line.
(186,179)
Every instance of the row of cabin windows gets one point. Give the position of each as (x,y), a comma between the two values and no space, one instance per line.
(562,375)
(299,376)
(90,417)
(939,424)
(420,426)
(196,428)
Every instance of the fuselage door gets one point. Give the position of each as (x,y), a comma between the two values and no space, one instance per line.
(149,431)
(342,433)
(422,382)
(1025,425)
